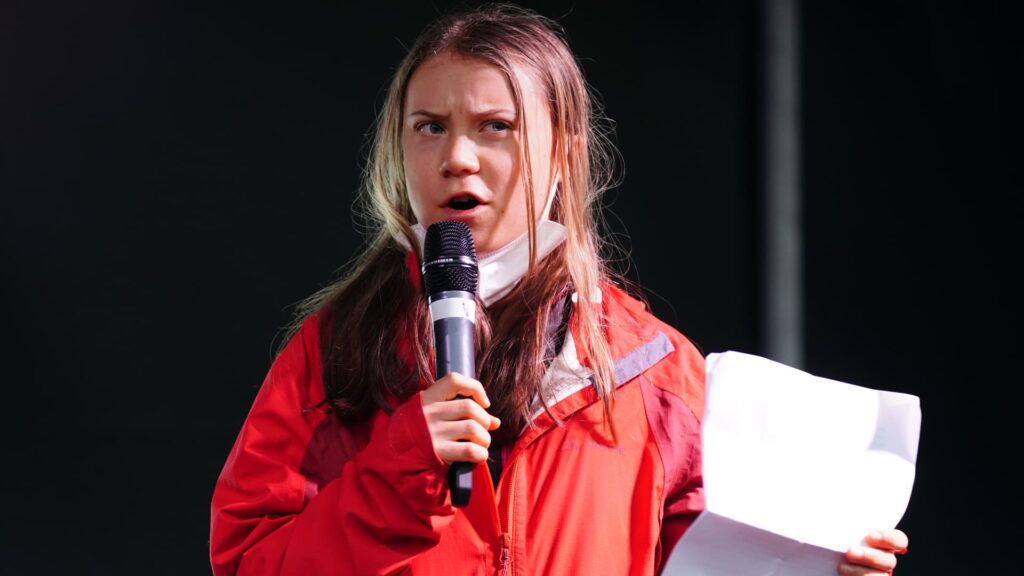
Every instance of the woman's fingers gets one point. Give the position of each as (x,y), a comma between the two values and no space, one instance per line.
(454,385)
(450,452)
(460,441)
(460,409)
(454,407)
(464,430)
(864,561)
(877,556)
(893,540)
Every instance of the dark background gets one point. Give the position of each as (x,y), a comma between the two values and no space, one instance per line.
(176,174)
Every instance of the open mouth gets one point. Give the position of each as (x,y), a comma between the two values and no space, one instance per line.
(465,202)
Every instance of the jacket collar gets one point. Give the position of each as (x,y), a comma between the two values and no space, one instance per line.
(636,345)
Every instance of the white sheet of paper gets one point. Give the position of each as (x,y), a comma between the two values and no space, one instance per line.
(797,469)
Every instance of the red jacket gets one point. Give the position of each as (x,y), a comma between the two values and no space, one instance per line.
(303,494)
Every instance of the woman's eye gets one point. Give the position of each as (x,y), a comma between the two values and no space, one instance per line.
(498,126)
(429,128)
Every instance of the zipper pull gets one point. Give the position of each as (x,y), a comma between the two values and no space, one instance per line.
(506,554)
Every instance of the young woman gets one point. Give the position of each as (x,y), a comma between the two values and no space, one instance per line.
(587,408)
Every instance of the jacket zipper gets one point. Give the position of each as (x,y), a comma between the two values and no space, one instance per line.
(506,554)
(505,518)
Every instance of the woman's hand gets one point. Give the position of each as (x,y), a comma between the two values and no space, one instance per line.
(877,555)
(459,427)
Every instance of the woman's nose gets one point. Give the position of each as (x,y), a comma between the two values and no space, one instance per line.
(460,158)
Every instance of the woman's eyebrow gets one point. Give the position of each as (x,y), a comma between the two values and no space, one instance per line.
(428,114)
(488,112)
(496,112)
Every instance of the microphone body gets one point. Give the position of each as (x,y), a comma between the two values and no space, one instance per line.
(453,313)
(451,277)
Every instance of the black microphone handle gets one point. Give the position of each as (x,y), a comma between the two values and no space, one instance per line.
(454,351)
(454,347)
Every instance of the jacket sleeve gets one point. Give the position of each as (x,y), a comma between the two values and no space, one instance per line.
(682,507)
(680,444)
(387,504)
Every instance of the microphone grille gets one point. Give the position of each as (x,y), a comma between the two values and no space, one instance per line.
(449,258)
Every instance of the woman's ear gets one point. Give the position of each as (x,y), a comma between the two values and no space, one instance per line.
(556,181)
(572,144)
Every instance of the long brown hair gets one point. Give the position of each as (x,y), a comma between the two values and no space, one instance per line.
(374,307)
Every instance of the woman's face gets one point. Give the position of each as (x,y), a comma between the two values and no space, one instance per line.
(461,137)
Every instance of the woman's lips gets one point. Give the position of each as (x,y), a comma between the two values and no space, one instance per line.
(461,214)
(462,205)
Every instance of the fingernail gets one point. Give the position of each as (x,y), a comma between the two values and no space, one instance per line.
(875,535)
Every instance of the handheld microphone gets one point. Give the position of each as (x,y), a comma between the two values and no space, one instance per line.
(451,277)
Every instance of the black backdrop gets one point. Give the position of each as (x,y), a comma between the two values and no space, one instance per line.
(175,175)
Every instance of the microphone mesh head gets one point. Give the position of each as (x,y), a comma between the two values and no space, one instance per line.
(449,258)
